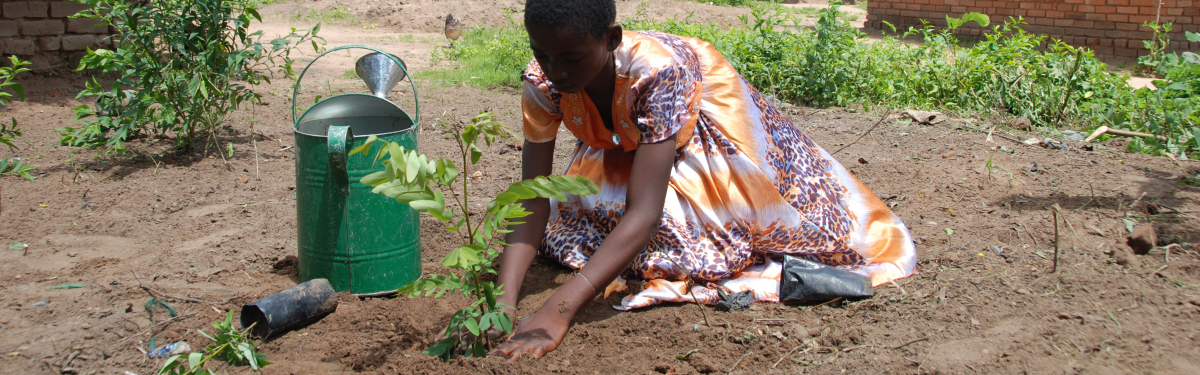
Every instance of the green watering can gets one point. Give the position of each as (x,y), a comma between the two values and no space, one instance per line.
(361,242)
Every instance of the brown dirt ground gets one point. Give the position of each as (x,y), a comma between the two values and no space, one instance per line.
(201,227)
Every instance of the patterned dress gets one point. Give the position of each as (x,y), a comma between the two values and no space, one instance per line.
(746,184)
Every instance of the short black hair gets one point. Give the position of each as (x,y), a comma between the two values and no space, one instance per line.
(591,17)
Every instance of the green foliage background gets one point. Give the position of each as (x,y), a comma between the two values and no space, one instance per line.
(1009,72)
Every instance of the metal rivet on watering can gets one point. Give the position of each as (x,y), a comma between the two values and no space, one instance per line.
(361,242)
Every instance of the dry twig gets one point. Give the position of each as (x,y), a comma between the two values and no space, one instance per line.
(160,295)
(864,134)
(165,322)
(911,342)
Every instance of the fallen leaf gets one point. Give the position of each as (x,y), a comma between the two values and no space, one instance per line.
(244,179)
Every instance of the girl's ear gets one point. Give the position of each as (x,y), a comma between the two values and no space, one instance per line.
(613,36)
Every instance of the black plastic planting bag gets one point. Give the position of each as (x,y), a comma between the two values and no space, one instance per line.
(806,280)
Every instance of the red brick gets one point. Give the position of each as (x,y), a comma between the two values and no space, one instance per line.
(1076,16)
(1140,19)
(1074,1)
(1118,2)
(1064,23)
(1127,10)
(1085,24)
(1095,16)
(1055,14)
(1045,6)
(1104,42)
(1118,18)
(1140,35)
(1174,11)
(1027,5)
(1104,25)
(942,8)
(1106,9)
(1149,11)
(1116,34)
(1144,3)
(1037,13)
(1095,2)
(1064,7)
(1127,26)
(1086,8)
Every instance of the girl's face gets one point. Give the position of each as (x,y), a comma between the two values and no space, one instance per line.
(570,58)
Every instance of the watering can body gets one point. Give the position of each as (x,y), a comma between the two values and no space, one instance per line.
(361,242)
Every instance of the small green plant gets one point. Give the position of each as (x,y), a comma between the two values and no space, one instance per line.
(1160,42)
(423,184)
(229,344)
(182,67)
(7,73)
(949,236)
(16,167)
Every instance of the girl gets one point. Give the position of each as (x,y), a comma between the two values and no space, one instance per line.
(700,176)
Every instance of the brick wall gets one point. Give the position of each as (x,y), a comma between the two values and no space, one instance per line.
(43,33)
(1109,27)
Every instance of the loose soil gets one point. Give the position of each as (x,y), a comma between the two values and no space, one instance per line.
(212,228)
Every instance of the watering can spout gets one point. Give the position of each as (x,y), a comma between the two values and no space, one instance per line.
(380,72)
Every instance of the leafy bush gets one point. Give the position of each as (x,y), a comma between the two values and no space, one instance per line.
(1008,72)
(183,66)
(9,132)
(423,184)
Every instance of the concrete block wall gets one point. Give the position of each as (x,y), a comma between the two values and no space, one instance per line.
(44,33)
(1109,27)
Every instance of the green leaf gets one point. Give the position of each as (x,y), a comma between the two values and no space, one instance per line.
(413,166)
(442,348)
(542,190)
(507,198)
(426,205)
(374,179)
(447,171)
(522,191)
(194,359)
(18,89)
(365,147)
(476,153)
(471,326)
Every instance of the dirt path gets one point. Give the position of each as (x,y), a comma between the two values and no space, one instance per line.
(983,301)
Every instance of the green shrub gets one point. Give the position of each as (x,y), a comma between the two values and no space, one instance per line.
(1007,72)
(183,66)
(9,133)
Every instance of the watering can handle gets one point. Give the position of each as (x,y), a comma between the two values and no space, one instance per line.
(416,103)
(339,138)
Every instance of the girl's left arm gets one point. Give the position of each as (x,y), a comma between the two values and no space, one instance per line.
(648,183)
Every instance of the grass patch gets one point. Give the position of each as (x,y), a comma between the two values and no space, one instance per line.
(484,57)
(334,16)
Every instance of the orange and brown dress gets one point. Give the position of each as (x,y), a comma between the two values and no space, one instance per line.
(746,183)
